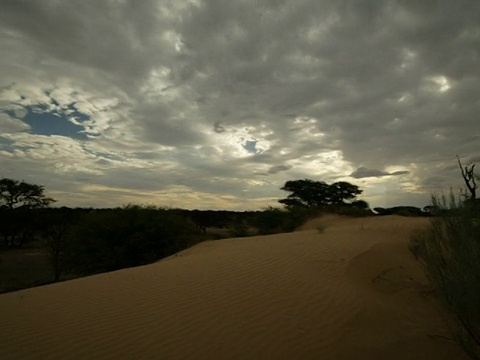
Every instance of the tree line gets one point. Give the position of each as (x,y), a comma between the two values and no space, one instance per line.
(88,241)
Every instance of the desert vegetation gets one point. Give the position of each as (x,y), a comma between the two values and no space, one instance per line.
(449,249)
(43,244)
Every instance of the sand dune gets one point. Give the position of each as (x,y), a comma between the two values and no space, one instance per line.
(352,292)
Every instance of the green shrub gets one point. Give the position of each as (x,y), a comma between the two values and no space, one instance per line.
(450,251)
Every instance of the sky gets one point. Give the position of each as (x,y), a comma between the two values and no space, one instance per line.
(215,104)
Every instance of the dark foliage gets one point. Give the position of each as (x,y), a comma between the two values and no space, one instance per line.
(360,204)
(14,193)
(204,219)
(18,226)
(275,220)
(56,232)
(106,240)
(450,251)
(347,210)
(18,202)
(316,194)
(402,211)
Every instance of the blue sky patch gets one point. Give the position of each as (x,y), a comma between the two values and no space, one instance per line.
(45,122)
(251,146)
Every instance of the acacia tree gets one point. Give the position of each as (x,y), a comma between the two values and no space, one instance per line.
(16,199)
(341,191)
(309,193)
(14,193)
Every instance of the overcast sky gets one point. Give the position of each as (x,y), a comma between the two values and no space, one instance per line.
(214,104)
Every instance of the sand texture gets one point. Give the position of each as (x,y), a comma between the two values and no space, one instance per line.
(351,292)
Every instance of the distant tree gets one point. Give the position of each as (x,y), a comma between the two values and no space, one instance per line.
(306,193)
(14,193)
(17,200)
(360,204)
(309,193)
(56,225)
(204,219)
(401,210)
(18,226)
(382,211)
(341,191)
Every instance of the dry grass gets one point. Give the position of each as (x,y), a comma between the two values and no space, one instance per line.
(450,252)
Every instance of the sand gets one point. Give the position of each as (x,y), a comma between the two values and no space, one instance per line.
(351,292)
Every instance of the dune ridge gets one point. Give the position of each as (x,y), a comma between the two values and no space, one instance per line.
(351,292)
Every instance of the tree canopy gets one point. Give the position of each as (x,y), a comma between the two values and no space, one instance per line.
(309,193)
(14,193)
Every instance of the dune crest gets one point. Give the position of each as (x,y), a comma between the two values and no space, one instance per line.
(351,292)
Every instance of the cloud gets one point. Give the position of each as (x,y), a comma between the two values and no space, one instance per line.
(363,172)
(278,168)
(274,170)
(218,127)
(9,124)
(205,95)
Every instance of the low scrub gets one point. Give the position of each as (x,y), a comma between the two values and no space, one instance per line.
(450,252)
(348,210)
(106,240)
(275,220)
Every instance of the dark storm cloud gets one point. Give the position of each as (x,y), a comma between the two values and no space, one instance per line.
(228,89)
(114,36)
(218,127)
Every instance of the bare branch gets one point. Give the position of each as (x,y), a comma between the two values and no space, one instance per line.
(469,178)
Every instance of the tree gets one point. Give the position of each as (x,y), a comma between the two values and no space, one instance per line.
(341,191)
(14,193)
(309,193)
(17,199)
(469,178)
(55,233)
(360,204)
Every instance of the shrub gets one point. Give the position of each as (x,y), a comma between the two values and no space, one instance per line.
(106,240)
(239,228)
(348,210)
(450,251)
(275,220)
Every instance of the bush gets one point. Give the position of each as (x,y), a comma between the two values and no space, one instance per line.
(106,240)
(239,228)
(348,210)
(275,220)
(450,251)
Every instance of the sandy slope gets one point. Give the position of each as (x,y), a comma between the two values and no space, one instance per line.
(352,292)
